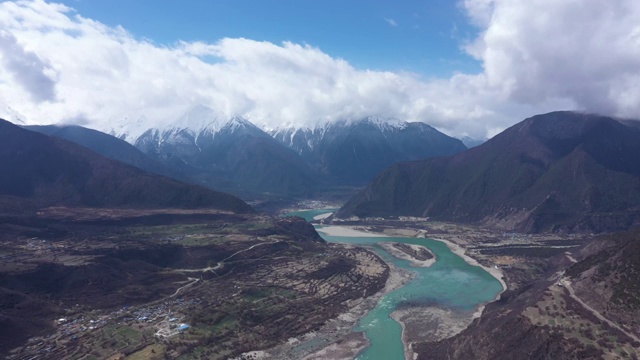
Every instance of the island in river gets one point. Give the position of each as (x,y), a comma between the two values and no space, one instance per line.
(438,295)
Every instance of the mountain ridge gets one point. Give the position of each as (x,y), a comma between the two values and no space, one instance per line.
(41,171)
(108,146)
(586,310)
(352,152)
(233,154)
(532,177)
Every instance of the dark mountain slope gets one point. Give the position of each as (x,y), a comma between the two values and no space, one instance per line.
(108,146)
(353,153)
(38,171)
(555,172)
(239,158)
(544,321)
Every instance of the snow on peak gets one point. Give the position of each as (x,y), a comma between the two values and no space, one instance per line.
(196,120)
(237,122)
(288,129)
(385,123)
(127,127)
(9,114)
(382,123)
(200,118)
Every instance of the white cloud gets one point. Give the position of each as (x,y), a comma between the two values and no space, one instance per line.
(390,21)
(538,56)
(584,51)
(27,69)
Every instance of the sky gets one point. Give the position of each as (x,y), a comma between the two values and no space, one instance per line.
(400,35)
(468,67)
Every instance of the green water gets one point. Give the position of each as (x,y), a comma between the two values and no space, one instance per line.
(450,282)
(309,214)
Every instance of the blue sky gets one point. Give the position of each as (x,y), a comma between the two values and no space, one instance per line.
(423,37)
(305,63)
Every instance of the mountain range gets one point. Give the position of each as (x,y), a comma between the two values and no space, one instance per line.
(230,154)
(557,172)
(353,152)
(235,155)
(562,171)
(40,171)
(108,146)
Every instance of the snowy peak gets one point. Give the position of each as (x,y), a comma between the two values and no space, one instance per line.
(200,118)
(353,151)
(203,119)
(378,122)
(196,122)
(383,124)
(238,123)
(306,138)
(127,127)
(12,116)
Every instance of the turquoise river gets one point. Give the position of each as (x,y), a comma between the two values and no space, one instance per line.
(450,282)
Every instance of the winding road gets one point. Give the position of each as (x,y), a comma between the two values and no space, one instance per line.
(567,284)
(219,264)
(193,281)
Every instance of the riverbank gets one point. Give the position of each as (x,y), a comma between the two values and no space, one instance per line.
(462,252)
(322,216)
(428,322)
(348,231)
(360,231)
(392,249)
(423,322)
(336,339)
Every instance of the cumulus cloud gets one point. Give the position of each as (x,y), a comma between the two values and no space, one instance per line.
(537,55)
(27,69)
(584,51)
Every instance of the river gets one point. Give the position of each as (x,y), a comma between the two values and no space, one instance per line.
(450,282)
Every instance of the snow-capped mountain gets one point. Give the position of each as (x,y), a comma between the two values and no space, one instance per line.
(226,153)
(352,152)
(231,153)
(9,114)
(131,126)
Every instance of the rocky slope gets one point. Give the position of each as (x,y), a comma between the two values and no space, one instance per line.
(233,154)
(561,171)
(591,311)
(353,152)
(40,171)
(230,154)
(108,146)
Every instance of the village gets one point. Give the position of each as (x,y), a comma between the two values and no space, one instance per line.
(110,330)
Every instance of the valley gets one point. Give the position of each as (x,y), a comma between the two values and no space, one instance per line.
(106,260)
(213,284)
(208,284)
(313,180)
(541,294)
(559,303)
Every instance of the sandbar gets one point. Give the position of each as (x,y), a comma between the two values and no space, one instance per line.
(347,231)
(390,248)
(322,216)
